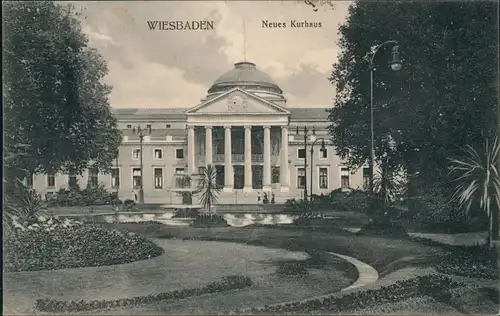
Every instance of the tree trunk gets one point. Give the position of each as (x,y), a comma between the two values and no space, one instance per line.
(494,226)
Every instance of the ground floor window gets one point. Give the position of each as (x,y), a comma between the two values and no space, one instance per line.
(180,178)
(275,174)
(29,180)
(323,178)
(51,180)
(93,177)
(136,178)
(366,178)
(115,177)
(72,182)
(301,178)
(158,178)
(344,178)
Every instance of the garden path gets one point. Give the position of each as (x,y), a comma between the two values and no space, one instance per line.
(185,264)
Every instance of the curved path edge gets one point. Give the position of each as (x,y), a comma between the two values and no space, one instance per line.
(366,275)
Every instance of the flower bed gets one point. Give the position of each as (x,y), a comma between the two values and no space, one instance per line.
(57,244)
(311,219)
(435,286)
(227,283)
(209,220)
(475,261)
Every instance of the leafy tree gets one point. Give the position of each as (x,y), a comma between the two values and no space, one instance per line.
(55,103)
(478,178)
(208,187)
(444,97)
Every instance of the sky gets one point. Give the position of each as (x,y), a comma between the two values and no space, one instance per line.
(171,69)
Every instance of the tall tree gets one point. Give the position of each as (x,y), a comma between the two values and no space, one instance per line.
(55,102)
(444,97)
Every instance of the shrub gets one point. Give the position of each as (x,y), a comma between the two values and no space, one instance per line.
(209,220)
(56,244)
(436,286)
(312,219)
(433,211)
(129,206)
(356,201)
(227,283)
(294,205)
(186,213)
(471,261)
(22,204)
(187,198)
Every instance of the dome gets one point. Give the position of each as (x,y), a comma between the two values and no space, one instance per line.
(246,76)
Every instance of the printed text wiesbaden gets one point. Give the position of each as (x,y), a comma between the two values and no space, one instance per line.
(181,25)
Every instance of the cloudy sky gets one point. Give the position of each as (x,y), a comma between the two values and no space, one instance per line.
(165,69)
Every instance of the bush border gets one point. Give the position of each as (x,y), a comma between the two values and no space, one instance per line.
(227,283)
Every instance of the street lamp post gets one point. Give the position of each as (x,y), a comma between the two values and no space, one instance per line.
(306,134)
(312,156)
(141,132)
(396,65)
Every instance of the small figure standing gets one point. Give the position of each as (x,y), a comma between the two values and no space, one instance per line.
(272,199)
(265,199)
(258,197)
(135,196)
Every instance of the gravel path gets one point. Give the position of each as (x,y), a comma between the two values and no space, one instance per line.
(185,264)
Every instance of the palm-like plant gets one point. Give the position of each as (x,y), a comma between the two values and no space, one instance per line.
(23,203)
(208,187)
(386,184)
(478,178)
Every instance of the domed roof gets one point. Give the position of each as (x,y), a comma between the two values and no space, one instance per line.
(244,74)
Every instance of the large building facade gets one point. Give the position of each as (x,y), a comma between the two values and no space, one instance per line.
(243,127)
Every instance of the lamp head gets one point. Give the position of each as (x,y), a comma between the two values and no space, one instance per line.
(396,63)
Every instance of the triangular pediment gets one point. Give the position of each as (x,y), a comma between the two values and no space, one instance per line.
(237,101)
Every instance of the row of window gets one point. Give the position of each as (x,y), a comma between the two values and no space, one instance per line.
(149,126)
(158,177)
(179,154)
(158,154)
(301,154)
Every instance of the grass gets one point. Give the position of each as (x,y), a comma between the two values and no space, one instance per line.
(365,248)
(183,265)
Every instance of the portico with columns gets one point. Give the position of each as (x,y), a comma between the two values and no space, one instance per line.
(245,137)
(244,127)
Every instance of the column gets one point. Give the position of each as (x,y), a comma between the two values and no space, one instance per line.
(208,145)
(284,179)
(191,152)
(266,181)
(228,164)
(248,159)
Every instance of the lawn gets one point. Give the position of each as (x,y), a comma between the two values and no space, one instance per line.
(395,259)
(184,265)
(377,251)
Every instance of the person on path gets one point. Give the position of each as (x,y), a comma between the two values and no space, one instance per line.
(258,197)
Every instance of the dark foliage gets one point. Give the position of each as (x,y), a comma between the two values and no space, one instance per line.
(436,286)
(477,261)
(74,196)
(232,282)
(312,219)
(55,102)
(388,223)
(449,76)
(209,220)
(57,246)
